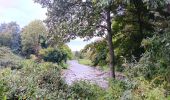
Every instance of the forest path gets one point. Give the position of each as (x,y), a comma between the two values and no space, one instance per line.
(77,72)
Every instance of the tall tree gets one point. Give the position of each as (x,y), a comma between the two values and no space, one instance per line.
(131,27)
(84,18)
(135,23)
(10,35)
(31,37)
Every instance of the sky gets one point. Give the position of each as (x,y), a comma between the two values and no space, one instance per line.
(78,44)
(25,11)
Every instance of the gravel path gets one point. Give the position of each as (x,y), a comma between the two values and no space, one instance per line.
(77,72)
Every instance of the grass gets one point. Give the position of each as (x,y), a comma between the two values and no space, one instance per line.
(85,62)
(105,68)
(89,63)
(64,65)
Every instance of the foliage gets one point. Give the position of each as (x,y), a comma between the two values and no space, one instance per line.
(138,89)
(97,52)
(77,55)
(34,81)
(85,19)
(30,37)
(142,89)
(5,39)
(115,90)
(87,91)
(53,55)
(43,81)
(66,50)
(10,36)
(131,27)
(8,59)
(3,90)
(125,23)
(85,62)
(80,20)
(154,65)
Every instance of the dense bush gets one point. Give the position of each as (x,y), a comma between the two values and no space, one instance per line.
(53,55)
(136,89)
(8,59)
(141,89)
(115,90)
(155,62)
(87,91)
(97,52)
(64,48)
(33,81)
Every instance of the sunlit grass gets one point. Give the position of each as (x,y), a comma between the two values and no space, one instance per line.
(85,62)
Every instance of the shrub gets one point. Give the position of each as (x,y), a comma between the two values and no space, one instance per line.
(115,90)
(65,48)
(53,55)
(154,64)
(87,91)
(157,59)
(96,52)
(33,81)
(147,91)
(8,59)
(3,90)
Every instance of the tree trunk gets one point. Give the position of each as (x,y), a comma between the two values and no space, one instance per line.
(110,43)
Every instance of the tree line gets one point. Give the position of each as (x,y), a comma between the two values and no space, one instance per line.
(33,39)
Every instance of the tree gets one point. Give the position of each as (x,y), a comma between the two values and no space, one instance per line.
(97,52)
(86,19)
(30,37)
(10,35)
(131,27)
(65,48)
(53,55)
(5,39)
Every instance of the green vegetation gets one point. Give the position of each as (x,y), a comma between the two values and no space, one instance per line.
(85,62)
(8,59)
(53,55)
(43,81)
(135,41)
(31,37)
(66,50)
(10,36)
(77,55)
(33,81)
